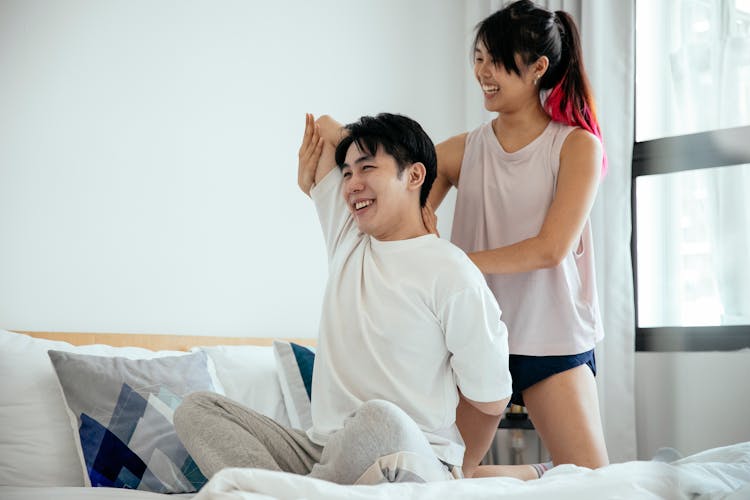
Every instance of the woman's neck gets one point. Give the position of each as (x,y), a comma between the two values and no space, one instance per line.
(517,129)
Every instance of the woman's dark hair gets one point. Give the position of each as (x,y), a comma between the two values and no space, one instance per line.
(532,32)
(401,137)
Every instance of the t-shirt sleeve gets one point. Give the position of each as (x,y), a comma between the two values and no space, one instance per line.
(478,342)
(335,219)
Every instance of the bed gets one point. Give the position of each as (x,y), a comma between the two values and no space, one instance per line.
(44,453)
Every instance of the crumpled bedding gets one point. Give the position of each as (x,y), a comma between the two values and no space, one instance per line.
(719,473)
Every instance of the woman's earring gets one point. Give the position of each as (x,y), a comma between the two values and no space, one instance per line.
(536,80)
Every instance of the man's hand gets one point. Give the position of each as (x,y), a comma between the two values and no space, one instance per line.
(309,154)
(430,219)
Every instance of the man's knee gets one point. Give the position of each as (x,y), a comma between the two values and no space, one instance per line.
(383,418)
(400,452)
(383,413)
(192,408)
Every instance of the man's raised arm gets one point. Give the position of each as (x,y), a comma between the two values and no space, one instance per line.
(317,152)
(309,155)
(332,132)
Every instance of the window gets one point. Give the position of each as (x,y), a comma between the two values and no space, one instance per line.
(691,175)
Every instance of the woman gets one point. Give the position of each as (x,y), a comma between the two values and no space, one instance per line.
(526,184)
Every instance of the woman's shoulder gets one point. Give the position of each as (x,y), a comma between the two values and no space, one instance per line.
(450,154)
(578,140)
(564,132)
(460,141)
(455,143)
(582,152)
(571,139)
(453,149)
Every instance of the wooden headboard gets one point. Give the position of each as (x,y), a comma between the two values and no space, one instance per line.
(157,342)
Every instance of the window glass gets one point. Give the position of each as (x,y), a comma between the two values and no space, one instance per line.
(692,66)
(693,247)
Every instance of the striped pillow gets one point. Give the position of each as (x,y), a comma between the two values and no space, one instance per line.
(295,369)
(121,410)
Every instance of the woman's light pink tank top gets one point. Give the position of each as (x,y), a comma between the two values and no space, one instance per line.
(502,199)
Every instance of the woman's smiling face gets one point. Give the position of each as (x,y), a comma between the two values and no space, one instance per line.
(503,90)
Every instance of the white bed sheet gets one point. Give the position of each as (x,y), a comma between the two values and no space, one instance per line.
(720,473)
(717,474)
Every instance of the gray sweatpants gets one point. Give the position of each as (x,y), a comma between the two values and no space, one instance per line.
(378,443)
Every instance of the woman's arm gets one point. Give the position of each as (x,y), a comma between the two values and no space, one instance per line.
(450,154)
(577,182)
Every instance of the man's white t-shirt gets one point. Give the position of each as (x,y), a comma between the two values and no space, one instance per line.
(405,321)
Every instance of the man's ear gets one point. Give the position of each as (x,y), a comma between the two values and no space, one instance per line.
(417,172)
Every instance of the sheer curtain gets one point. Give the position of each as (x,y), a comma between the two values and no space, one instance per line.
(607,33)
(608,38)
(693,76)
(731,233)
(710,59)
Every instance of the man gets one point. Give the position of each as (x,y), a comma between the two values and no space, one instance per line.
(407,321)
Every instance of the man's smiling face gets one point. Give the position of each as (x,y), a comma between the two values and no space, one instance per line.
(376,194)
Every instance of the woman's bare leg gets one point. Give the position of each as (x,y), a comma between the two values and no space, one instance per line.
(565,412)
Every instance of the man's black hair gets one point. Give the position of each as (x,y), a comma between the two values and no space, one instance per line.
(401,137)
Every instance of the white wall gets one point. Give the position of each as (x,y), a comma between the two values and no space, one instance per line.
(148,151)
(691,401)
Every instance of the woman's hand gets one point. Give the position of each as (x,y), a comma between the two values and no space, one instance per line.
(309,154)
(430,219)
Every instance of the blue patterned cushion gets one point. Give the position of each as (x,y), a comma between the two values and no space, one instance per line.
(122,411)
(295,369)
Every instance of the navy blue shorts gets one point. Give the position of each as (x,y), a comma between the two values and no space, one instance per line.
(528,370)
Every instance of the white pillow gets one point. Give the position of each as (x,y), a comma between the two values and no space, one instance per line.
(37,444)
(249,376)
